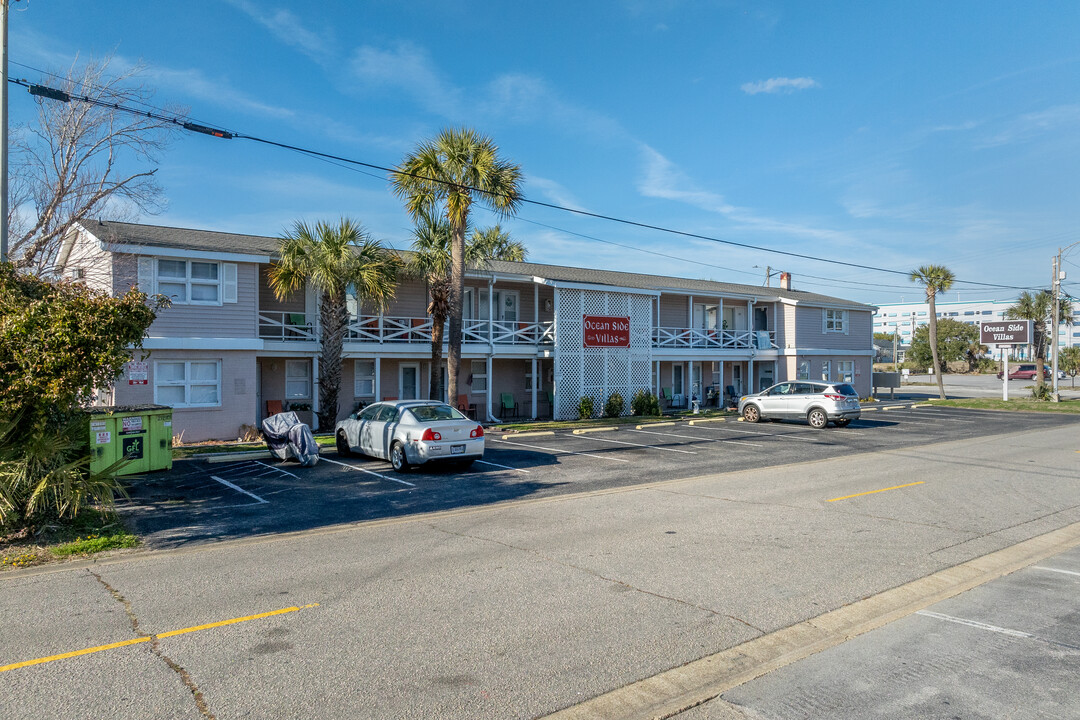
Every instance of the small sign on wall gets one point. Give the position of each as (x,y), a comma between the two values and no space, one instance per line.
(131,425)
(138,372)
(605,331)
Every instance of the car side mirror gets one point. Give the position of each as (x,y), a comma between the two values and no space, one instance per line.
(353,416)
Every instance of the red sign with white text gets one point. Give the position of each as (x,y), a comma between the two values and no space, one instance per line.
(605,331)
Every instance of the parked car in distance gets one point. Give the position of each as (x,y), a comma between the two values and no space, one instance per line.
(411,432)
(1024,371)
(818,403)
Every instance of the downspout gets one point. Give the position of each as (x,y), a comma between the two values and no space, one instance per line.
(491,348)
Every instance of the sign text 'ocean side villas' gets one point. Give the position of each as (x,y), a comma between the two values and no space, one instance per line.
(537,338)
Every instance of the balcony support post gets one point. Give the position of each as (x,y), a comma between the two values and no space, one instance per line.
(378,378)
(535,382)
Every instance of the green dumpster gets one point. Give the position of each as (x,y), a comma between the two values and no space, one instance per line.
(140,433)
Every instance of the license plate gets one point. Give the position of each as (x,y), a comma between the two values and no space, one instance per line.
(457,449)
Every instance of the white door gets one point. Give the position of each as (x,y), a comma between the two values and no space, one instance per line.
(677,379)
(736,379)
(409,381)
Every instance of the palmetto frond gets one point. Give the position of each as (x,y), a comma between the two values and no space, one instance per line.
(935,278)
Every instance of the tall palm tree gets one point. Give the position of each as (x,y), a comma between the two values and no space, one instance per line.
(1038,308)
(330,259)
(451,172)
(431,261)
(935,279)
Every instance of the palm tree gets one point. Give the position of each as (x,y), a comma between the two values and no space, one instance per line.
(431,261)
(935,279)
(331,259)
(1038,308)
(451,172)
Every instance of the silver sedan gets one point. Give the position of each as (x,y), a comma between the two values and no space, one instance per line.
(411,432)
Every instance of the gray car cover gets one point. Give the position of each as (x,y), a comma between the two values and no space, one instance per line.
(287,437)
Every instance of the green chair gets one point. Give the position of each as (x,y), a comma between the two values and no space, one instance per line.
(507,404)
(551,402)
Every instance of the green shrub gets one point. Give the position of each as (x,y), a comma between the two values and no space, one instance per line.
(1041,392)
(614,406)
(987,365)
(585,408)
(94,544)
(645,403)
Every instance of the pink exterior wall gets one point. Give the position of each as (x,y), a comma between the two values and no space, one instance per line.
(238,394)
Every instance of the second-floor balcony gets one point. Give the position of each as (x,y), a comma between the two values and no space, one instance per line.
(286,327)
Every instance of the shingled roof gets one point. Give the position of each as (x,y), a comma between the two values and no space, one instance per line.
(121,233)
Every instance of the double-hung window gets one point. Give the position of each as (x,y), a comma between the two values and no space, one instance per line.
(187,383)
(479,376)
(364,378)
(189,282)
(835,321)
(298,379)
(845,371)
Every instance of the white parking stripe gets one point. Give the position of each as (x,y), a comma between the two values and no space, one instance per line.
(369,472)
(238,489)
(260,462)
(505,467)
(786,436)
(699,437)
(1057,570)
(976,624)
(650,447)
(562,452)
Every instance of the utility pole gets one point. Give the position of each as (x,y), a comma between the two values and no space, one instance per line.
(768,276)
(4,130)
(1055,285)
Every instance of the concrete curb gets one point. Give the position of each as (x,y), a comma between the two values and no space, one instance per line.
(659,424)
(229,457)
(894,407)
(684,687)
(707,420)
(583,431)
(921,405)
(531,433)
(866,409)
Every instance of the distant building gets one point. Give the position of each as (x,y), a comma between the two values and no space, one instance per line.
(905,317)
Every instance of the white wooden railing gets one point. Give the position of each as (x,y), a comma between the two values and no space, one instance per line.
(416,330)
(285,326)
(667,337)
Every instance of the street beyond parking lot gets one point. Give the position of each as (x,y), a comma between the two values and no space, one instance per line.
(201,501)
(521,609)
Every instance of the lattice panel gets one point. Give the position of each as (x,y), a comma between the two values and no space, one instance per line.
(598,372)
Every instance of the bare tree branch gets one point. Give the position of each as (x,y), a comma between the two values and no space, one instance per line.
(83,161)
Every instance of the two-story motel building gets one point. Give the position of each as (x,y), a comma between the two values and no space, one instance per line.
(227,348)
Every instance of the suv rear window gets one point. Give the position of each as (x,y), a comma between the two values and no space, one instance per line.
(846,389)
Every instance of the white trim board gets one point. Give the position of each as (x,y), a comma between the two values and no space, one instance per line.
(201,343)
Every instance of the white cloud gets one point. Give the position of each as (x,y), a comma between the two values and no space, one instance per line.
(554,192)
(779,85)
(1030,125)
(407,68)
(287,27)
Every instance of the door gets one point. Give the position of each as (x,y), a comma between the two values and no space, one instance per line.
(677,379)
(737,379)
(778,402)
(765,375)
(409,381)
(362,439)
(375,432)
(695,381)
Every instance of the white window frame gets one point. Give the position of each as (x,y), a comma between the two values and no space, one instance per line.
(826,370)
(529,380)
(834,321)
(804,370)
(845,371)
(187,281)
(186,383)
(360,378)
(477,376)
(291,364)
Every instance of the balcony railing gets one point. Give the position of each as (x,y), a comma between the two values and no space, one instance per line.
(665,337)
(285,326)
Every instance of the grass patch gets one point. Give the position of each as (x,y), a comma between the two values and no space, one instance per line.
(89,532)
(608,422)
(1015,405)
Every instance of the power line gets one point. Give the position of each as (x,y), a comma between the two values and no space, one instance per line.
(63,96)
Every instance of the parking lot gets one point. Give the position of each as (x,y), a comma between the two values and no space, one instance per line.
(201,500)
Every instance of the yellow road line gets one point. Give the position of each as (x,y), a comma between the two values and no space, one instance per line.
(871,492)
(148,638)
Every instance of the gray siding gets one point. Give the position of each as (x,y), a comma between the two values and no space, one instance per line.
(673,311)
(268,302)
(808,330)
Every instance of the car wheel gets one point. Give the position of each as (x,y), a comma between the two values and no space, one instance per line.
(817,418)
(843,423)
(342,443)
(398,459)
(751,414)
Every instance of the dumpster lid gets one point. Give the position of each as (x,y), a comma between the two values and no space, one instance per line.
(113,409)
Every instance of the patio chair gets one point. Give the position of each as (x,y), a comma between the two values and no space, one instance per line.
(551,402)
(464,406)
(507,404)
(729,392)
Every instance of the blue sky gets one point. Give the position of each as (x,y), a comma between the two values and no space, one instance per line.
(885,134)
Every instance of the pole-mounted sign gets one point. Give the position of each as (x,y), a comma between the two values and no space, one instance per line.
(1002,333)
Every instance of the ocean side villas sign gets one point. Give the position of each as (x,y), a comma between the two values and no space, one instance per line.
(604,331)
(1006,332)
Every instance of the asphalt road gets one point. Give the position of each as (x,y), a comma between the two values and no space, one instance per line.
(200,501)
(975,386)
(518,609)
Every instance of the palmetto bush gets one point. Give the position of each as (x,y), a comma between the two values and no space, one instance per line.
(45,471)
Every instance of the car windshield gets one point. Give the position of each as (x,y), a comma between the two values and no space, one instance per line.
(846,389)
(430,413)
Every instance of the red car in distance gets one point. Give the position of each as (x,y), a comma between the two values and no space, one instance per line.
(1025,372)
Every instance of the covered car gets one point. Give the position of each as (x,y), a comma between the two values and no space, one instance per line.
(287,437)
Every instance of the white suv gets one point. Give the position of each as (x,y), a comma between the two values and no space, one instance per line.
(818,403)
